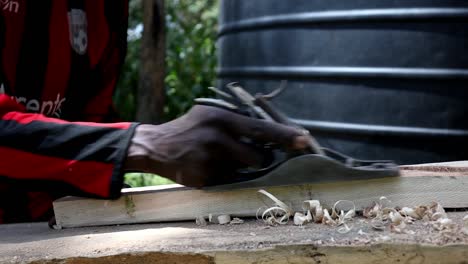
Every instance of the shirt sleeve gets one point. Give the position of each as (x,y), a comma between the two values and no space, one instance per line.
(86,157)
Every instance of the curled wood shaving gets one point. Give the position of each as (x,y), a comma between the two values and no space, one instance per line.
(421,211)
(410,212)
(200,220)
(224,219)
(382,216)
(443,224)
(309,216)
(398,219)
(344,229)
(465,225)
(378,214)
(236,221)
(336,219)
(384,200)
(344,217)
(314,211)
(327,219)
(351,212)
(279,213)
(57,227)
(318,216)
(300,219)
(310,205)
(398,228)
(371,212)
(377,224)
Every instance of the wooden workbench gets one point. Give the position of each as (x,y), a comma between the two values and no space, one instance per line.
(251,242)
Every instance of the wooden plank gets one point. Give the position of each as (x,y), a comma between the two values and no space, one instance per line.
(176,203)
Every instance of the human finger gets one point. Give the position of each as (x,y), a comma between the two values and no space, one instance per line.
(240,152)
(265,131)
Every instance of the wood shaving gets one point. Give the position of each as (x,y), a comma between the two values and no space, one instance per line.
(384,200)
(57,227)
(300,219)
(377,224)
(279,213)
(410,212)
(437,211)
(465,225)
(327,219)
(371,212)
(385,238)
(380,213)
(200,221)
(318,216)
(434,214)
(396,218)
(313,209)
(236,221)
(344,217)
(344,229)
(310,205)
(224,219)
(398,228)
(362,233)
(309,216)
(443,224)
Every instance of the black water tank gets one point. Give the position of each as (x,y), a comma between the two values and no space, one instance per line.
(383,79)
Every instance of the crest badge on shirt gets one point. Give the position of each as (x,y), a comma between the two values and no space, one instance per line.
(78,28)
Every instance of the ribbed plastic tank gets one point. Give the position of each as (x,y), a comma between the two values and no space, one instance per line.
(383,79)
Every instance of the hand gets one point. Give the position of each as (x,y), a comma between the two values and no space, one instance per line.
(202,147)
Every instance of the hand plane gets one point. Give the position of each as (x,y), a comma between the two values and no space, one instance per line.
(284,167)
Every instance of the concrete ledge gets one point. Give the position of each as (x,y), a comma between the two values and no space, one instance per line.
(251,242)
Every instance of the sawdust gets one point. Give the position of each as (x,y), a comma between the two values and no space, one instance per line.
(142,258)
(435,168)
(28,242)
(361,234)
(418,171)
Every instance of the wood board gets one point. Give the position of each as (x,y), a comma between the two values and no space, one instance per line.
(446,183)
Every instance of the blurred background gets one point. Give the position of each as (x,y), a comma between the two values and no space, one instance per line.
(375,80)
(191,28)
(190,62)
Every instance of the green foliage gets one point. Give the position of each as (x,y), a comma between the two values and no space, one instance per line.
(190,56)
(145,179)
(190,64)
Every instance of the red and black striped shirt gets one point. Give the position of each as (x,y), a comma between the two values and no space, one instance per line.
(59,63)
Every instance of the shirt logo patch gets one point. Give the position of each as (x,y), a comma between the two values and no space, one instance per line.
(78,28)
(10,6)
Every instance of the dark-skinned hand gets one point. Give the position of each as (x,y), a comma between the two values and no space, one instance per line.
(202,147)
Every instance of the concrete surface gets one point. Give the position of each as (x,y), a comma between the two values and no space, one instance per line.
(251,242)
